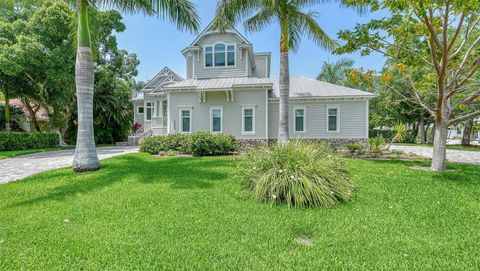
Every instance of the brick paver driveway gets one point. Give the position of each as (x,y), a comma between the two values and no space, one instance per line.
(20,167)
(469,157)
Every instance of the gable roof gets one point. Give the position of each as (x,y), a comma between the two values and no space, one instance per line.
(166,75)
(303,87)
(208,30)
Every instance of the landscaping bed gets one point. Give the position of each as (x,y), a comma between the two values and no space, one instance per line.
(144,212)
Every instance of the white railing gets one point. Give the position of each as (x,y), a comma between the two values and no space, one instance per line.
(157,122)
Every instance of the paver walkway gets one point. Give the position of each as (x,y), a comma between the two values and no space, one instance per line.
(20,167)
(469,157)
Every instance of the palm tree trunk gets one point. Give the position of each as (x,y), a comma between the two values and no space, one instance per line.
(7,113)
(85,158)
(284,90)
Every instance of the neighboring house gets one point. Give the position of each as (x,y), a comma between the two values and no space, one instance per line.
(228,90)
(456,131)
(24,122)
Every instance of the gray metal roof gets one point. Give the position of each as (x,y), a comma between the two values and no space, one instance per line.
(303,87)
(300,87)
(219,83)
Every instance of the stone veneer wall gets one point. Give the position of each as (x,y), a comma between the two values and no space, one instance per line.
(336,142)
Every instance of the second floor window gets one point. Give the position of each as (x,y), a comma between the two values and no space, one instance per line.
(220,55)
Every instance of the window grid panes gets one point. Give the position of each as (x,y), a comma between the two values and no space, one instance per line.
(220,55)
(231,55)
(248,120)
(299,120)
(332,119)
(186,121)
(216,120)
(150,110)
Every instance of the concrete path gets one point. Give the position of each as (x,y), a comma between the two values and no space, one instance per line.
(469,157)
(20,167)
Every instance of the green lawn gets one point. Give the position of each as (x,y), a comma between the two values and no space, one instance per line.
(147,213)
(450,147)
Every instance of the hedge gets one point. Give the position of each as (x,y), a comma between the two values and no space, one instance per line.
(198,144)
(11,141)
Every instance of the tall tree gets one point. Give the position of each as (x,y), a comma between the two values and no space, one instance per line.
(294,23)
(441,40)
(336,72)
(181,12)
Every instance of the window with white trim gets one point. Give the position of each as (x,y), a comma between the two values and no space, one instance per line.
(208,56)
(220,55)
(186,120)
(333,119)
(150,110)
(141,110)
(248,120)
(299,120)
(216,115)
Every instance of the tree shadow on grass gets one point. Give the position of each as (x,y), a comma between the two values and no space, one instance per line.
(180,173)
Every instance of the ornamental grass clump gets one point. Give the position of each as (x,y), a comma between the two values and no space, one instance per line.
(300,174)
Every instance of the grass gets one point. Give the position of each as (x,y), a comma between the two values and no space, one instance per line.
(10,154)
(450,147)
(149,213)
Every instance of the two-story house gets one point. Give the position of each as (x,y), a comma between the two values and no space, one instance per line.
(228,90)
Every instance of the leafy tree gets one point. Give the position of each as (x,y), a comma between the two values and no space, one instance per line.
(439,40)
(38,48)
(336,72)
(294,23)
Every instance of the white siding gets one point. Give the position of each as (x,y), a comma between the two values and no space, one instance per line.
(232,111)
(352,114)
(262,66)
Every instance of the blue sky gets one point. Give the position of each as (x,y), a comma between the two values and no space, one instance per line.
(158,43)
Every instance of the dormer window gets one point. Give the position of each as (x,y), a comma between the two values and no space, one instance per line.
(220,55)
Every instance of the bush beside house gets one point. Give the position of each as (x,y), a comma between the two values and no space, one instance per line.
(198,144)
(10,141)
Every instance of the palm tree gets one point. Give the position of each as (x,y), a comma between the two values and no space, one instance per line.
(334,72)
(181,12)
(293,22)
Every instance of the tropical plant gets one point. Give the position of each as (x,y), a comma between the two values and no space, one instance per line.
(137,126)
(181,12)
(336,72)
(375,144)
(294,23)
(299,174)
(399,135)
(355,148)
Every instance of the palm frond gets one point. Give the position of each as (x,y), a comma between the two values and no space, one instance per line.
(259,21)
(182,13)
(230,12)
(314,32)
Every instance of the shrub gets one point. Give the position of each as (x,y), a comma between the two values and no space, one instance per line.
(298,173)
(173,142)
(10,141)
(205,144)
(355,147)
(199,144)
(375,144)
